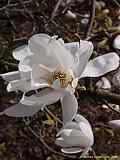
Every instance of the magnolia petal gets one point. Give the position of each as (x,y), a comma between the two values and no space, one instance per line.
(41,73)
(71,150)
(47,96)
(74,138)
(69,125)
(50,50)
(38,44)
(114,123)
(25,75)
(73,47)
(85,127)
(30,61)
(60,142)
(79,118)
(16,85)
(41,84)
(83,54)
(21,85)
(69,107)
(20,110)
(101,65)
(10,76)
(62,55)
(24,66)
(21,52)
(87,131)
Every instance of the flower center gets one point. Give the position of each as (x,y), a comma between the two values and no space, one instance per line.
(65,79)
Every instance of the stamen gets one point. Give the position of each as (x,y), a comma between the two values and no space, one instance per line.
(63,78)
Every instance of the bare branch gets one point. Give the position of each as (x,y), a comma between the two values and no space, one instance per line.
(102,95)
(55,9)
(91,20)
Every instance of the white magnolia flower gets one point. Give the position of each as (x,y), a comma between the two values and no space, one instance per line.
(76,136)
(103,83)
(48,62)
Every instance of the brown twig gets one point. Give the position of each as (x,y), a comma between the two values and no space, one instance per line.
(9,63)
(117,3)
(26,10)
(91,20)
(55,9)
(102,95)
(11,22)
(13,5)
(110,107)
(52,115)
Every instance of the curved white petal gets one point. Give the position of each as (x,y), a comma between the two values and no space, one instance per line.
(69,107)
(38,44)
(21,85)
(85,127)
(24,66)
(68,125)
(71,150)
(83,54)
(115,123)
(61,53)
(79,118)
(25,75)
(41,73)
(73,48)
(30,61)
(21,52)
(24,86)
(75,138)
(87,131)
(46,96)
(10,76)
(101,65)
(50,51)
(60,141)
(20,110)
(74,83)
(75,150)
